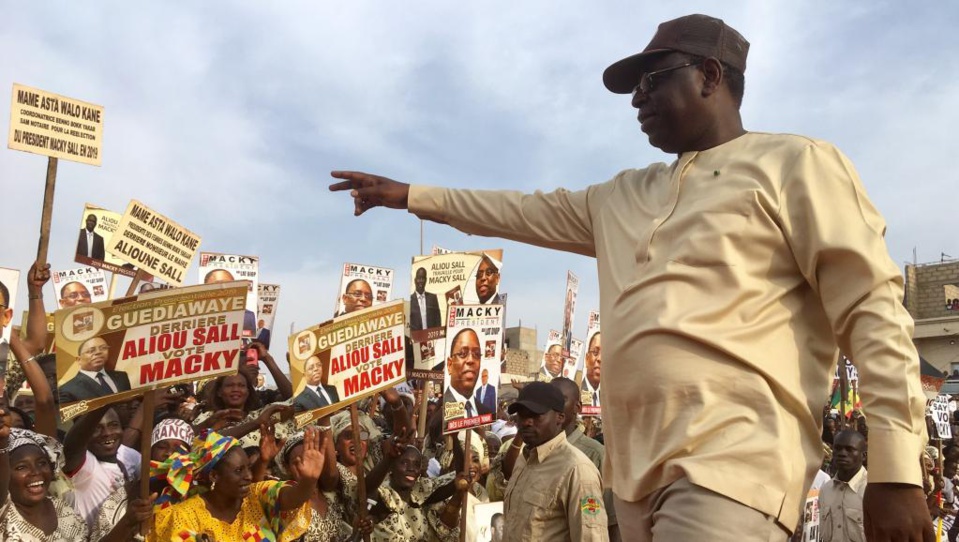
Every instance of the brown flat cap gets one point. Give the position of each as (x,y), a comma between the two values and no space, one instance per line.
(698,35)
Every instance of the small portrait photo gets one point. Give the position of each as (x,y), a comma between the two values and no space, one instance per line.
(98,290)
(303,345)
(82,322)
(490,350)
(381,296)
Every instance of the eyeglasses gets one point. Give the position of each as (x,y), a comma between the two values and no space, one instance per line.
(466,352)
(647,81)
(554,355)
(360,295)
(485,273)
(595,352)
(73,296)
(96,349)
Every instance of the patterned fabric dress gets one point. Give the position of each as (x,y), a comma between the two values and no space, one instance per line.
(411,522)
(259,519)
(70,526)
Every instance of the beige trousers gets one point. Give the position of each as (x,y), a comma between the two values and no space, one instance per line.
(683,512)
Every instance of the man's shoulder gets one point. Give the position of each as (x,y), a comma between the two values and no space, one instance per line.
(590,447)
(784,143)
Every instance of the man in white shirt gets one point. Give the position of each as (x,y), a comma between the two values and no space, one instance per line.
(90,243)
(424,306)
(95,461)
(840,499)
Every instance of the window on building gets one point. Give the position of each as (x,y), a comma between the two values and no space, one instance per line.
(951,292)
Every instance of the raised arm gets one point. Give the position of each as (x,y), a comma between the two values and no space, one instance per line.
(75,443)
(46,419)
(283,384)
(306,470)
(36,339)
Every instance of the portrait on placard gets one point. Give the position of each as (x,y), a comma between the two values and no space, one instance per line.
(215,267)
(343,360)
(361,287)
(488,521)
(471,377)
(574,362)
(97,225)
(569,311)
(114,350)
(268,296)
(9,280)
(592,369)
(80,286)
(551,366)
(154,243)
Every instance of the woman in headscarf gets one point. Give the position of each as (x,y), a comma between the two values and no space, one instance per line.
(216,499)
(409,506)
(30,512)
(328,522)
(233,409)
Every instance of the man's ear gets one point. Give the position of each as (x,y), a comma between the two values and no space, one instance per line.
(713,76)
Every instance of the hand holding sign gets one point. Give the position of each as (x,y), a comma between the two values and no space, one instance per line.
(370,191)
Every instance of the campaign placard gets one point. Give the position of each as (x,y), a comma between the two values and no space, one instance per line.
(441,280)
(25,325)
(97,225)
(115,350)
(569,310)
(551,365)
(939,410)
(592,369)
(80,286)
(574,362)
(45,123)
(343,360)
(810,524)
(267,301)
(9,280)
(362,286)
(154,243)
(215,267)
(472,368)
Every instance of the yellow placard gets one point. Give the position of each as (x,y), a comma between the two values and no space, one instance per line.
(154,243)
(45,123)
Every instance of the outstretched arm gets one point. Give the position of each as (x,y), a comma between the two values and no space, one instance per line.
(560,219)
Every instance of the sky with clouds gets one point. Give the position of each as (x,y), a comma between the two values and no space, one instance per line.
(228,116)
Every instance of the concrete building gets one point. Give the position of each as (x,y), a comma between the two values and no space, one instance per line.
(932,298)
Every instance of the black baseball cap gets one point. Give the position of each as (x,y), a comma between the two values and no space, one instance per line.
(699,35)
(539,398)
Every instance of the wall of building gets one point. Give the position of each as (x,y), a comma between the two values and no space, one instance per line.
(937,325)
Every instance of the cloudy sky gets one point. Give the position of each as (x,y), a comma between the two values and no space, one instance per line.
(228,117)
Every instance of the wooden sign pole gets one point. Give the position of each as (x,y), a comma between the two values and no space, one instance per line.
(146,435)
(360,472)
(135,282)
(467,467)
(47,215)
(421,419)
(113,286)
